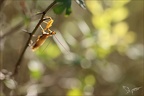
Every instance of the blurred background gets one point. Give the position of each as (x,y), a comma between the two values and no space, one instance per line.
(99,51)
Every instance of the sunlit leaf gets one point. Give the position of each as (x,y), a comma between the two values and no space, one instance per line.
(35,74)
(90,80)
(74,92)
(120,29)
(94,7)
(120,3)
(102,52)
(119,14)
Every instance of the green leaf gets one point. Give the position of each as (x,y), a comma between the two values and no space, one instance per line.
(59,8)
(68,7)
(63,5)
(68,3)
(68,11)
(61,0)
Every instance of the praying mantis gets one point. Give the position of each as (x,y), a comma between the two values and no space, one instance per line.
(42,38)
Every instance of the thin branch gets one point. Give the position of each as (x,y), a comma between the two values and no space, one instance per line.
(31,34)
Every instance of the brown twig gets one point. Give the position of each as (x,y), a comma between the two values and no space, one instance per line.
(31,34)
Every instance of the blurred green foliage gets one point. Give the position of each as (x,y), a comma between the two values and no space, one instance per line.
(103,50)
(113,32)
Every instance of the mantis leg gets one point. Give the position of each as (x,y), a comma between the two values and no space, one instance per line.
(43,31)
(48,24)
